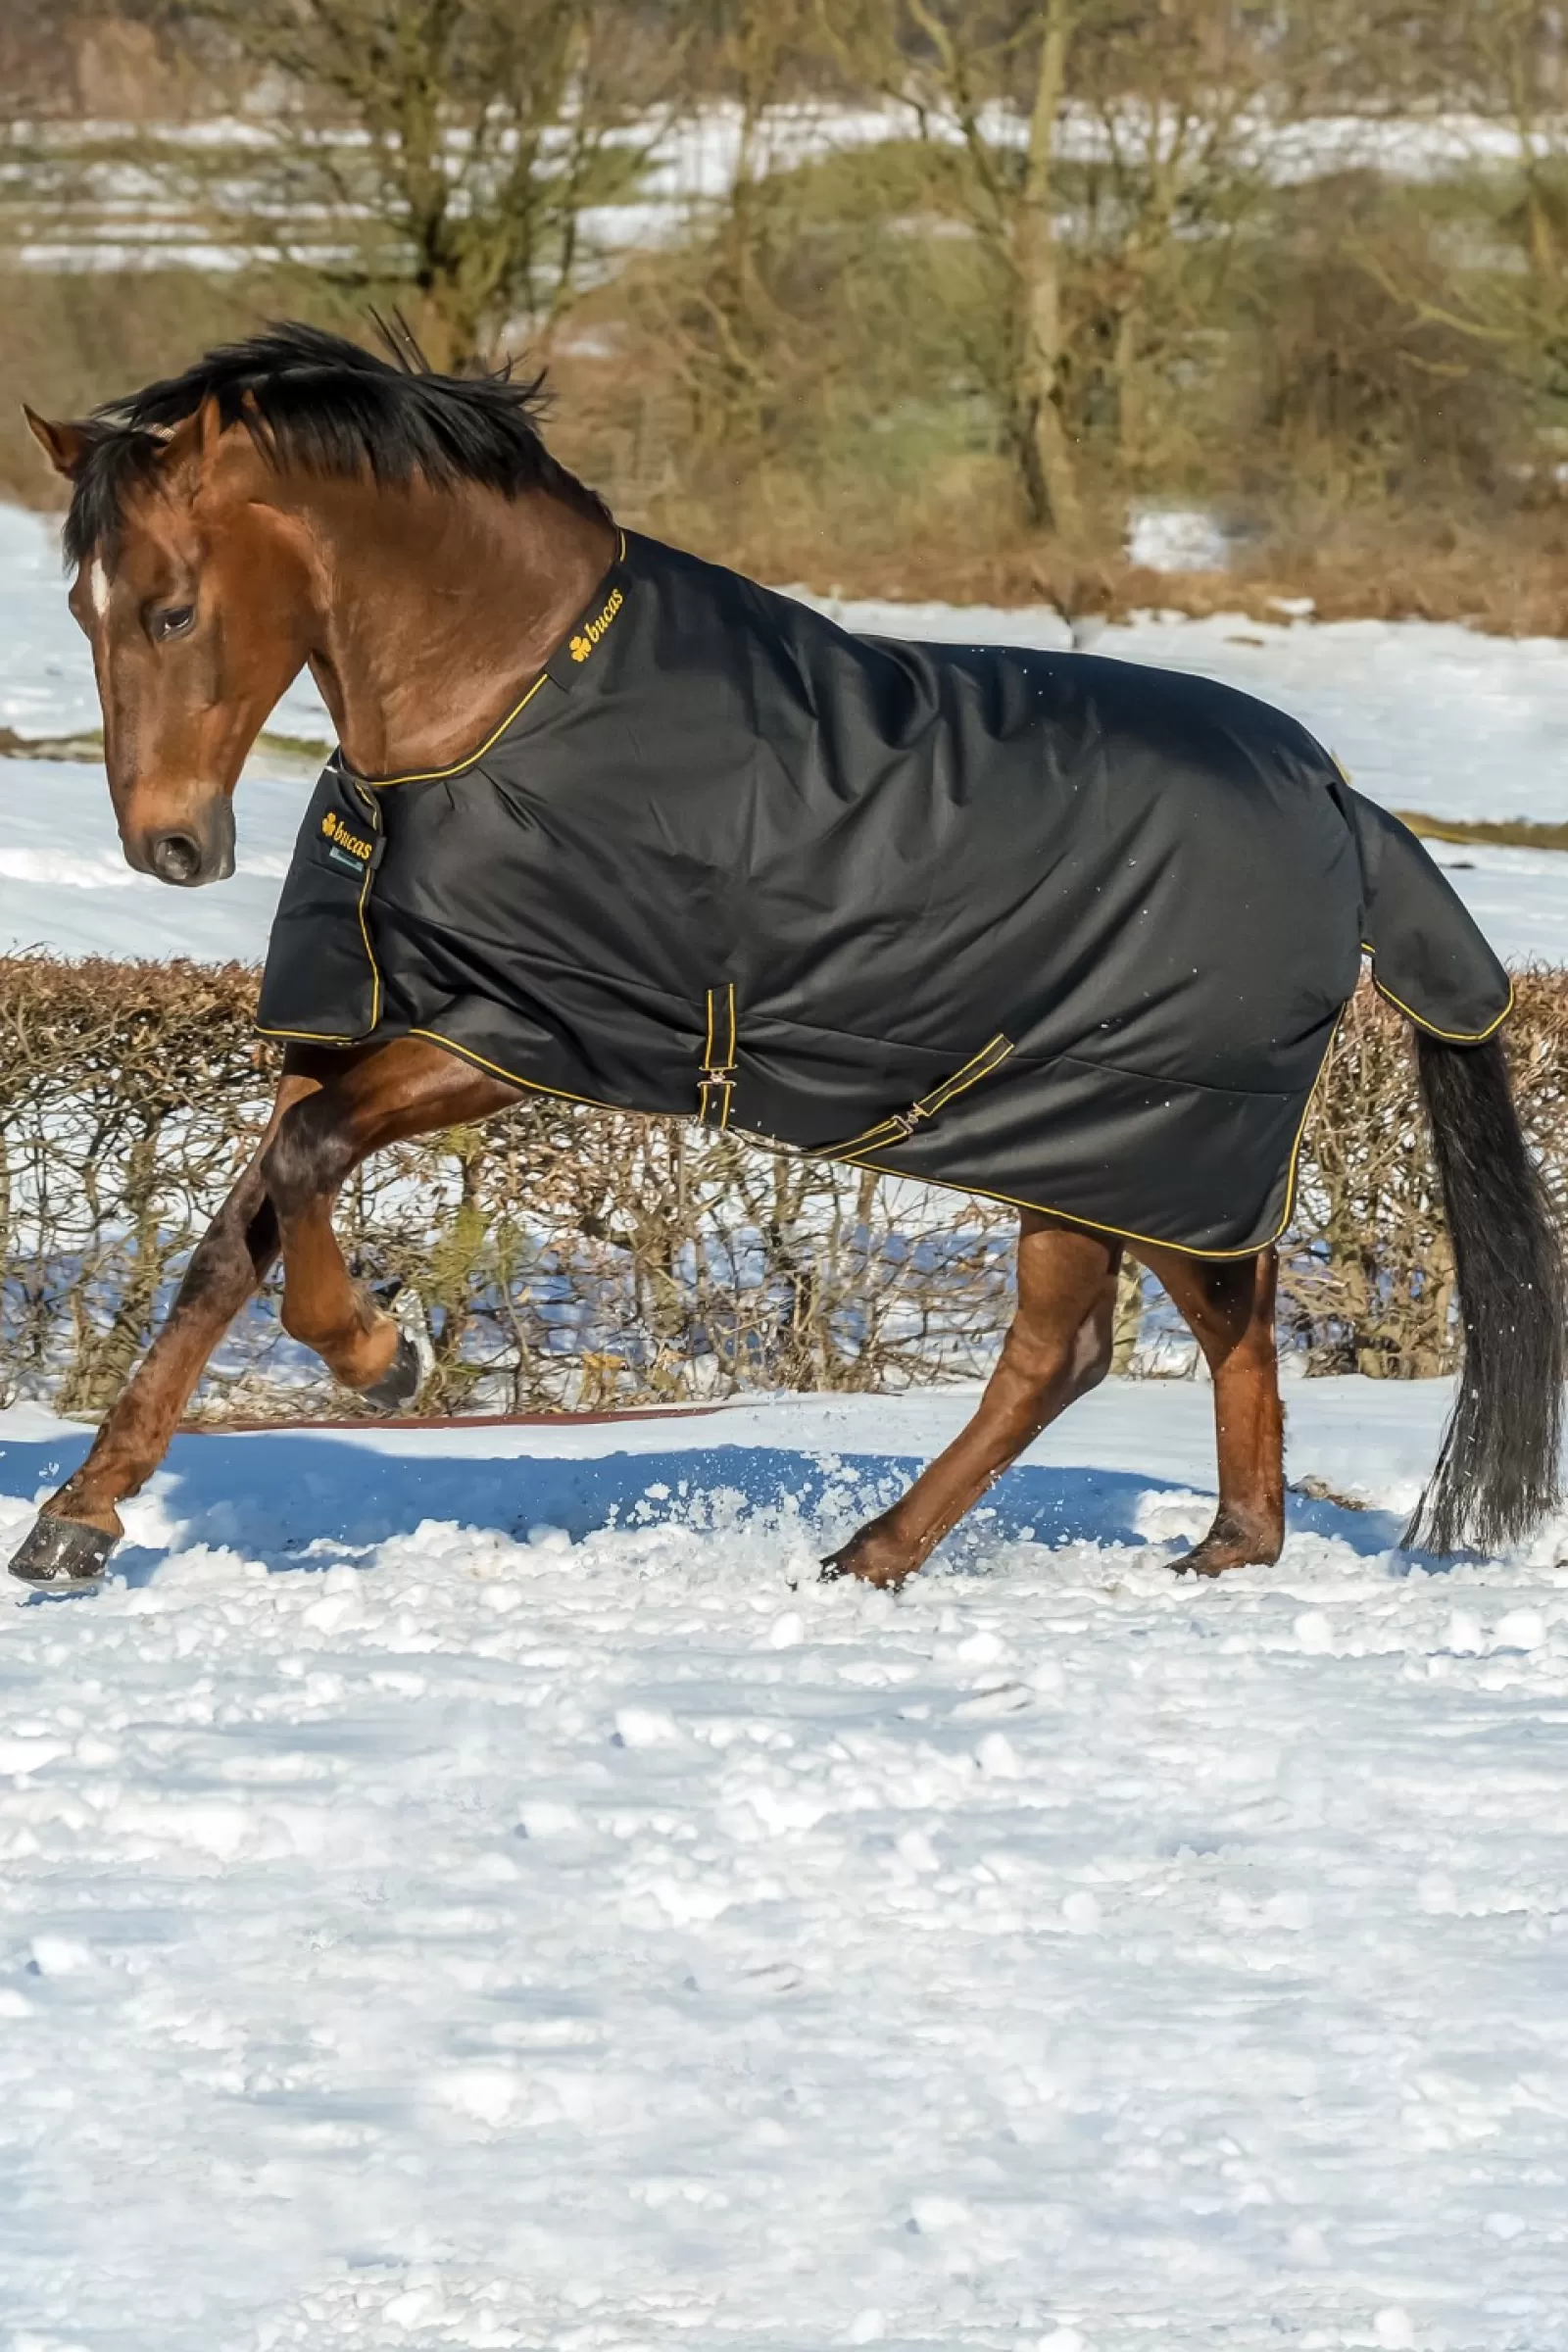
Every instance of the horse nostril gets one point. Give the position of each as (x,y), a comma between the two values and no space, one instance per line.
(175,858)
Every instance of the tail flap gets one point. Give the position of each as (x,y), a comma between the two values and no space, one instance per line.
(1427,955)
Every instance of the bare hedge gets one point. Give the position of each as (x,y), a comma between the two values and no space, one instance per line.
(567,1257)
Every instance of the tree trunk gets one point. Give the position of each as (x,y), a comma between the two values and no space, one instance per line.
(1040,435)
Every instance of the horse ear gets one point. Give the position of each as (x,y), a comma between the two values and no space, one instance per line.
(64,445)
(192,442)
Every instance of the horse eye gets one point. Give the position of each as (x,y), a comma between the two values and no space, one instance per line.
(175,621)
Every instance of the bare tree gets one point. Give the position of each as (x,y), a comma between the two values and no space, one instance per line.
(731,321)
(1496,297)
(1174,103)
(1100,143)
(449,145)
(1515,55)
(972,76)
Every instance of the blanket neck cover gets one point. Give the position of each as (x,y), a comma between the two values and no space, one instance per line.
(1066,932)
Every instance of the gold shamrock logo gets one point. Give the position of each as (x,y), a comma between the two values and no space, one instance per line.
(580,648)
(328,823)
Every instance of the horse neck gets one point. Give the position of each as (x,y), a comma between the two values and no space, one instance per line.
(432,605)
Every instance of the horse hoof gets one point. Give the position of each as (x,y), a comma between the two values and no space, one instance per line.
(1212,1561)
(399,1384)
(839,1568)
(62,1555)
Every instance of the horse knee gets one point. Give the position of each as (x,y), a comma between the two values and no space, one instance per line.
(234,1253)
(306,1159)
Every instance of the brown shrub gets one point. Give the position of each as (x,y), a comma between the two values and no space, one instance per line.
(565,1257)
(561,1256)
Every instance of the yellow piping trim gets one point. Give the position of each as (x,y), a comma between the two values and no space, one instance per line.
(310,1037)
(901,1124)
(562,1093)
(715,1076)
(1450,1037)
(364,934)
(435,775)
(978,1192)
(1124,1233)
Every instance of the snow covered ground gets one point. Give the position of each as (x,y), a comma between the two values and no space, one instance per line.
(1425,715)
(432,1916)
(476,1889)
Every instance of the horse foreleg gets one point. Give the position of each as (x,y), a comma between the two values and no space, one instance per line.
(1227,1306)
(1057,1347)
(69,1544)
(404,1089)
(66,1547)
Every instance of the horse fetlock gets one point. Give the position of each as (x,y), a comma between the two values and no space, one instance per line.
(357,1344)
(75,1501)
(364,1352)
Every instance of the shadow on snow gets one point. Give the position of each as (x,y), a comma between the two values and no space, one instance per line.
(272,1497)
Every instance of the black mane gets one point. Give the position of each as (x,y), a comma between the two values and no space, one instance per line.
(319,401)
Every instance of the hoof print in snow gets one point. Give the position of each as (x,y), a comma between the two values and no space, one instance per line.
(61,1556)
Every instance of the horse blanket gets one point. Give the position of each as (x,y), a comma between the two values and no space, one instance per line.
(1067,932)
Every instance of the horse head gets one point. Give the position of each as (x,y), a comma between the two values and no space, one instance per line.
(191,590)
(293,499)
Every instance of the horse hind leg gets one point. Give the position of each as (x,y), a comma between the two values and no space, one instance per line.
(1057,1347)
(1227,1306)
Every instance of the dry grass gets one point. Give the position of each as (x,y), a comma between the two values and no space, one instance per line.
(951,534)
(1513,833)
(895,498)
(971,551)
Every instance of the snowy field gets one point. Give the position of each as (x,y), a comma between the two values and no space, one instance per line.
(434,1919)
(1425,715)
(476,1889)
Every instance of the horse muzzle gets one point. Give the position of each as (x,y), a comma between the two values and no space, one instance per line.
(196,851)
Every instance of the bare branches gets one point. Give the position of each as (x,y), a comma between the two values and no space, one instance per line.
(563,1257)
(560,1257)
(453,145)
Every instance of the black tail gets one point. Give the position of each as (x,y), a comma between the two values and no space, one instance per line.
(1497,1473)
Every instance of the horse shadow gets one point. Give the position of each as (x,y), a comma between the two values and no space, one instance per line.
(293,1501)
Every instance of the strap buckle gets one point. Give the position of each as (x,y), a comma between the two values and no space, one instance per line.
(897,1127)
(716,1086)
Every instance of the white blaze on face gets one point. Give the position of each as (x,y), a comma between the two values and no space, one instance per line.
(98,586)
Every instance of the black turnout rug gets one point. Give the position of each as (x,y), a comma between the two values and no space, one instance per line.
(1070,932)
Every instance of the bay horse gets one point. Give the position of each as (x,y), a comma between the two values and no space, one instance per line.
(293,501)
